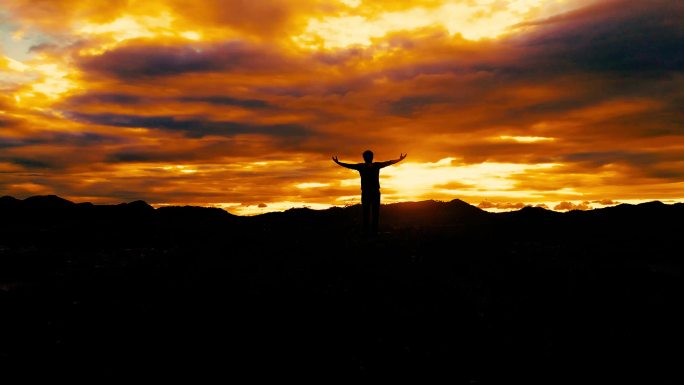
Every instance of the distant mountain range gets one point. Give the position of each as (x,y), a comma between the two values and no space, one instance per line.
(423,213)
(57,216)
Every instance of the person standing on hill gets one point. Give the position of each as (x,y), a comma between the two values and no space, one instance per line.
(370,186)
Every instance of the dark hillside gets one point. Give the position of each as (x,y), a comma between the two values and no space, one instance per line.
(446,290)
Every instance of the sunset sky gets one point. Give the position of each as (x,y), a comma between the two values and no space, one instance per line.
(240,104)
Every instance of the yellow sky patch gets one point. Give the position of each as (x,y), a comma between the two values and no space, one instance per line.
(482,19)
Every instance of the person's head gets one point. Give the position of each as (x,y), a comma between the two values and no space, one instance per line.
(368,156)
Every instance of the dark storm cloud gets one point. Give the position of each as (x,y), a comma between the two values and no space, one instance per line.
(153,154)
(668,173)
(213,149)
(9,123)
(446,66)
(341,57)
(193,127)
(554,106)
(5,122)
(10,142)
(227,101)
(407,105)
(85,139)
(596,159)
(620,37)
(108,98)
(140,61)
(81,139)
(664,166)
(30,163)
(141,156)
(614,37)
(132,100)
(43,47)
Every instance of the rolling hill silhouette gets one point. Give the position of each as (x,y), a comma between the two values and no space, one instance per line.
(447,290)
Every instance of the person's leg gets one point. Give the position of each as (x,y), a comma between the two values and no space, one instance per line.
(366,205)
(376,212)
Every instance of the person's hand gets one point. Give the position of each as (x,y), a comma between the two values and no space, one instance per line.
(402,156)
(334,158)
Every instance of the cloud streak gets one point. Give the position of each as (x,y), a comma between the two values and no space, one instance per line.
(192,127)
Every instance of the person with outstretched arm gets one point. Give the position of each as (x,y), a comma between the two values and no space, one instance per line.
(370,186)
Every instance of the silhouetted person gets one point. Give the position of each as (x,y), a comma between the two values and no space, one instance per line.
(370,186)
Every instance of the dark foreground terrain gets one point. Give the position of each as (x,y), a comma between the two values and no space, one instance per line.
(446,291)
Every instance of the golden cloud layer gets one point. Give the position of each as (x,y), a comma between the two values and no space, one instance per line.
(240,104)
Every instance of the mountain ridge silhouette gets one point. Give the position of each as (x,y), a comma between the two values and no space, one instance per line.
(137,219)
(433,207)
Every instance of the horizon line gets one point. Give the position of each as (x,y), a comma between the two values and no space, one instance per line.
(486,206)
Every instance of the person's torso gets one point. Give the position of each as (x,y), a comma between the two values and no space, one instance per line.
(370,177)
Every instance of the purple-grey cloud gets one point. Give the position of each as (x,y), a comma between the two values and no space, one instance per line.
(150,60)
(193,127)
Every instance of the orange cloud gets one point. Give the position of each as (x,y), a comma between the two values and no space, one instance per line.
(501,205)
(566,206)
(606,202)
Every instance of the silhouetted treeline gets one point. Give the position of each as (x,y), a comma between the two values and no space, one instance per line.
(446,290)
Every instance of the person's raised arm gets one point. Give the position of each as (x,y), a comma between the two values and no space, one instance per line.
(393,161)
(347,165)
